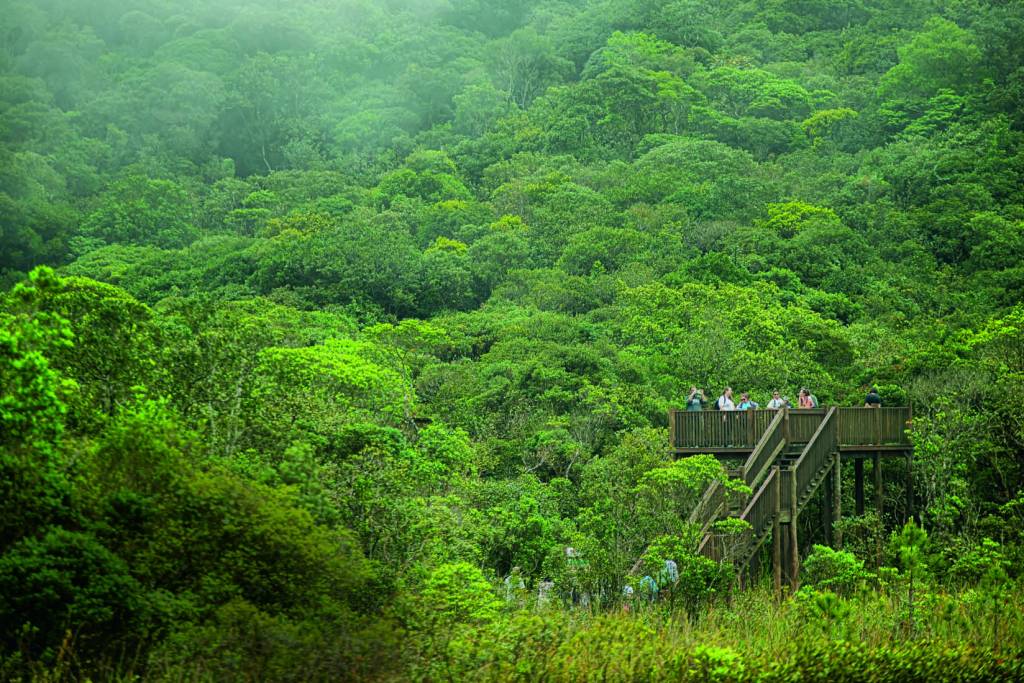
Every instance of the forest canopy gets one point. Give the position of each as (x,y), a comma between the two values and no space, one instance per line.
(326,327)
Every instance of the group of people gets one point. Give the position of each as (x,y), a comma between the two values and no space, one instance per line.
(805,399)
(649,588)
(696,400)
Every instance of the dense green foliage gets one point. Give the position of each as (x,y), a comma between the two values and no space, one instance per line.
(320,319)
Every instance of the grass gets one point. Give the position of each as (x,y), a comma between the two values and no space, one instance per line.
(961,637)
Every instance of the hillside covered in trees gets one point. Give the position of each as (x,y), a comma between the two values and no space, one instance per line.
(327,326)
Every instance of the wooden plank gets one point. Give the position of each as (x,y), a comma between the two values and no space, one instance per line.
(793,547)
(858,486)
(837,500)
(910,488)
(777,535)
(877,468)
(859,431)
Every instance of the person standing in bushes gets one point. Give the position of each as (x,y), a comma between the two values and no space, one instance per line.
(515,586)
(649,588)
(576,566)
(668,577)
(544,589)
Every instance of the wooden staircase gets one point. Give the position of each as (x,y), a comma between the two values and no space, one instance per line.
(784,475)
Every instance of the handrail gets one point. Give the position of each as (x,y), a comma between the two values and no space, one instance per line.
(718,429)
(804,422)
(742,430)
(759,514)
(760,509)
(704,548)
(765,451)
(706,511)
(874,426)
(816,453)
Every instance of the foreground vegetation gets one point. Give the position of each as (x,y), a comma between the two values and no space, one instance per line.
(321,319)
(814,637)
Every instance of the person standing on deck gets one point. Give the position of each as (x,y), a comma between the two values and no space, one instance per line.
(695,401)
(873,400)
(777,401)
(725,403)
(725,400)
(746,403)
(805,400)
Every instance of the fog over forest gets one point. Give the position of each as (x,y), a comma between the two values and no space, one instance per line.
(343,339)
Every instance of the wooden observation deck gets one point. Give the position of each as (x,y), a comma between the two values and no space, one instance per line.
(785,457)
(736,433)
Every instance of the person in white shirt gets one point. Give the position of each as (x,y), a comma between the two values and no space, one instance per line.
(725,400)
(776,402)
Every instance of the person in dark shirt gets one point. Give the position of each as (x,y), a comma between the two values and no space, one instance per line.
(695,401)
(873,400)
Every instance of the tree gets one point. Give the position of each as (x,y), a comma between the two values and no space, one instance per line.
(525,64)
(912,540)
(141,210)
(315,391)
(114,351)
(34,487)
(944,56)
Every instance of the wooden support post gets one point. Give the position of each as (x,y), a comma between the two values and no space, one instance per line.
(794,548)
(673,441)
(877,462)
(777,536)
(858,485)
(785,426)
(837,500)
(826,509)
(910,486)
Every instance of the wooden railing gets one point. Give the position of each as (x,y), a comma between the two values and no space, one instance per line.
(759,514)
(744,429)
(718,429)
(874,426)
(803,423)
(817,454)
(709,508)
(766,450)
(760,511)
(786,488)
(772,496)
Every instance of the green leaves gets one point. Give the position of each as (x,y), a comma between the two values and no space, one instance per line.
(140,210)
(317,390)
(837,571)
(944,55)
(911,546)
